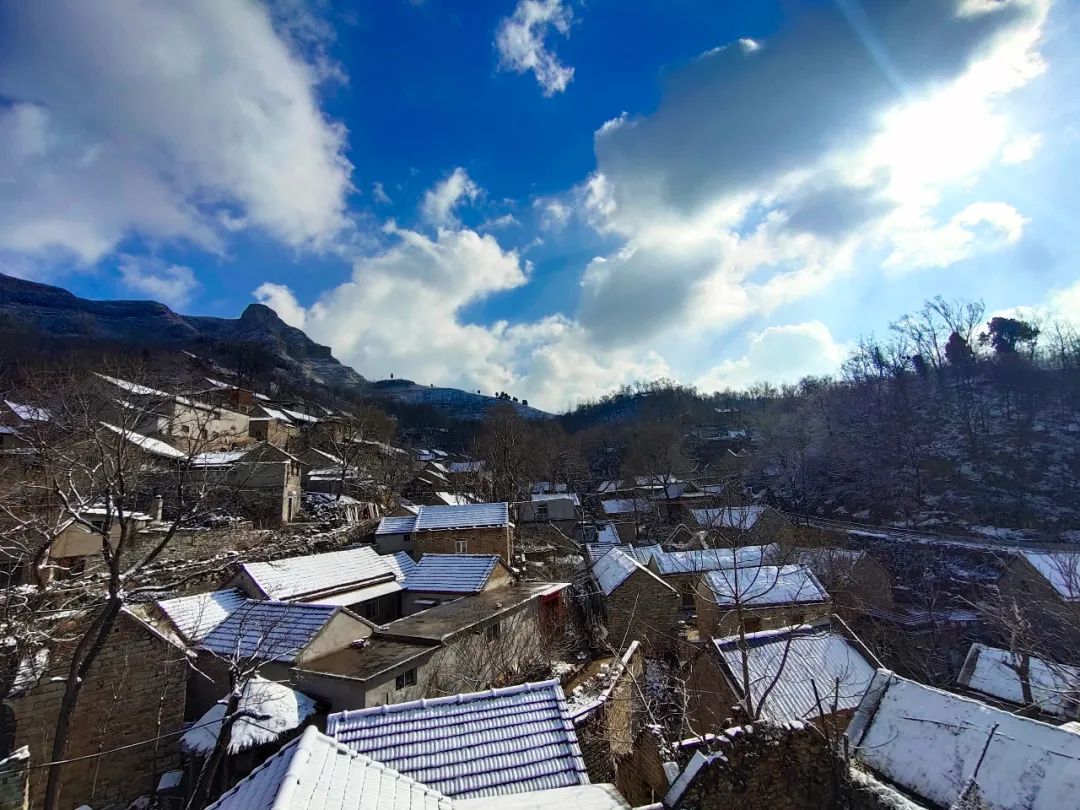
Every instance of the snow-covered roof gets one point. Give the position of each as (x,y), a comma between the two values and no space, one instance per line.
(615,567)
(608,534)
(625,506)
(453,499)
(540,487)
(1055,688)
(299,416)
(711,559)
(294,577)
(217,458)
(931,742)
(452,573)
(397,525)
(150,445)
(275,709)
(316,772)
(577,797)
(498,742)
(29,413)
(786,665)
(466,466)
(401,563)
(764,585)
(268,631)
(556,496)
(473,515)
(195,616)
(1060,568)
(728,517)
(276,413)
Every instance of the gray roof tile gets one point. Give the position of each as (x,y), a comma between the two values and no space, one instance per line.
(452,573)
(503,741)
(764,585)
(268,631)
(397,525)
(195,616)
(318,573)
(433,518)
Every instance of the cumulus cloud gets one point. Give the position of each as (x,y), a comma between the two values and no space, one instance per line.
(171,284)
(779,354)
(768,172)
(521,42)
(153,119)
(440,201)
(282,300)
(378,193)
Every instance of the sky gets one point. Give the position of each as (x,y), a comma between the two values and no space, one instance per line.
(548,197)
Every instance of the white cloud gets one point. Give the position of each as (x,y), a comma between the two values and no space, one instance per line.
(378,193)
(1021,149)
(282,300)
(779,354)
(979,228)
(498,223)
(521,37)
(440,201)
(171,284)
(767,173)
(554,213)
(151,119)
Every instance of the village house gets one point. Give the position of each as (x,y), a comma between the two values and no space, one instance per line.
(135,690)
(749,525)
(816,673)
(915,744)
(439,578)
(1022,683)
(77,546)
(677,500)
(315,770)
(482,528)
(765,597)
(272,425)
(855,580)
(367,583)
(563,510)
(264,481)
(636,603)
(501,742)
(477,639)
(629,516)
(683,569)
(1045,587)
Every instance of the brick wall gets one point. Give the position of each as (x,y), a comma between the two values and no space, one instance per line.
(134,692)
(642,608)
(717,621)
(478,541)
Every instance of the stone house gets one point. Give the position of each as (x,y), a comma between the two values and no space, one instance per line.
(746,525)
(264,481)
(762,597)
(561,508)
(135,691)
(637,604)
(481,528)
(272,425)
(855,580)
(783,667)
(439,578)
(472,642)
(683,569)
(631,517)
(1045,587)
(1022,683)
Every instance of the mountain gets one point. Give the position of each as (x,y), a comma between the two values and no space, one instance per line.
(61,315)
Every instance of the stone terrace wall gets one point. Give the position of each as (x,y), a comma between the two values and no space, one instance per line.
(134,692)
(13,780)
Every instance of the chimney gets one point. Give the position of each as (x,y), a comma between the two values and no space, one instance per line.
(155,510)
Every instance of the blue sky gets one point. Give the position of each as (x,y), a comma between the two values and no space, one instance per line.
(549,197)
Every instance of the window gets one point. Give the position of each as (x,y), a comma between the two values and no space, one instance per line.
(493,632)
(461,546)
(406,678)
(541,511)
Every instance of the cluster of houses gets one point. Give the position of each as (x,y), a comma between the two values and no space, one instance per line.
(438,661)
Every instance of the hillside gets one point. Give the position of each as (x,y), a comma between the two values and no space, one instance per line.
(59,315)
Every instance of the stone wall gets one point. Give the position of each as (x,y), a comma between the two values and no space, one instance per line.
(608,734)
(478,541)
(717,621)
(14,775)
(768,766)
(643,608)
(134,693)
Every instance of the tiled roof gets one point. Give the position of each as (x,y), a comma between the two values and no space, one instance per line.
(786,665)
(452,573)
(151,445)
(711,559)
(728,517)
(764,585)
(579,797)
(268,631)
(930,742)
(466,466)
(293,577)
(195,616)
(274,710)
(473,515)
(28,413)
(555,496)
(615,567)
(625,506)
(402,564)
(503,741)
(315,772)
(1060,569)
(397,525)
(607,533)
